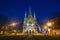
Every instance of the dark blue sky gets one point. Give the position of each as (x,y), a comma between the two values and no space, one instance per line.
(16,8)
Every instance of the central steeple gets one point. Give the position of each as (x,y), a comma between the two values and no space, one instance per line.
(30,13)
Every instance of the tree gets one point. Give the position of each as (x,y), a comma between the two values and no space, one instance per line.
(3,22)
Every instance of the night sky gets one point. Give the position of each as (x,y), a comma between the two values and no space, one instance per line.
(15,9)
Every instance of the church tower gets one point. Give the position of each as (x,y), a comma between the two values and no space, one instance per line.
(25,22)
(29,24)
(30,13)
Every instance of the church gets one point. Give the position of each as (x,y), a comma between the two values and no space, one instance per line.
(30,23)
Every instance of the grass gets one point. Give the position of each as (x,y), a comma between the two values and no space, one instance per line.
(30,38)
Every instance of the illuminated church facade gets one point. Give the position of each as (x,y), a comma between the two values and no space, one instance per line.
(30,23)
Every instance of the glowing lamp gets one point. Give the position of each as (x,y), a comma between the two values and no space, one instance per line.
(13,24)
(49,24)
(45,27)
(49,29)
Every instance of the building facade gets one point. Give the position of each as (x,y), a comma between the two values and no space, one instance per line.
(30,23)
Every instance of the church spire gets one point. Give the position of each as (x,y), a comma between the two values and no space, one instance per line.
(30,15)
(34,16)
(25,14)
(25,18)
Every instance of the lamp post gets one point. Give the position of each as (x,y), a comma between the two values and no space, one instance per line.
(13,24)
(50,26)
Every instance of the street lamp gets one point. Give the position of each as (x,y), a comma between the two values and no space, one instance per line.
(45,27)
(13,24)
(49,29)
(49,24)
